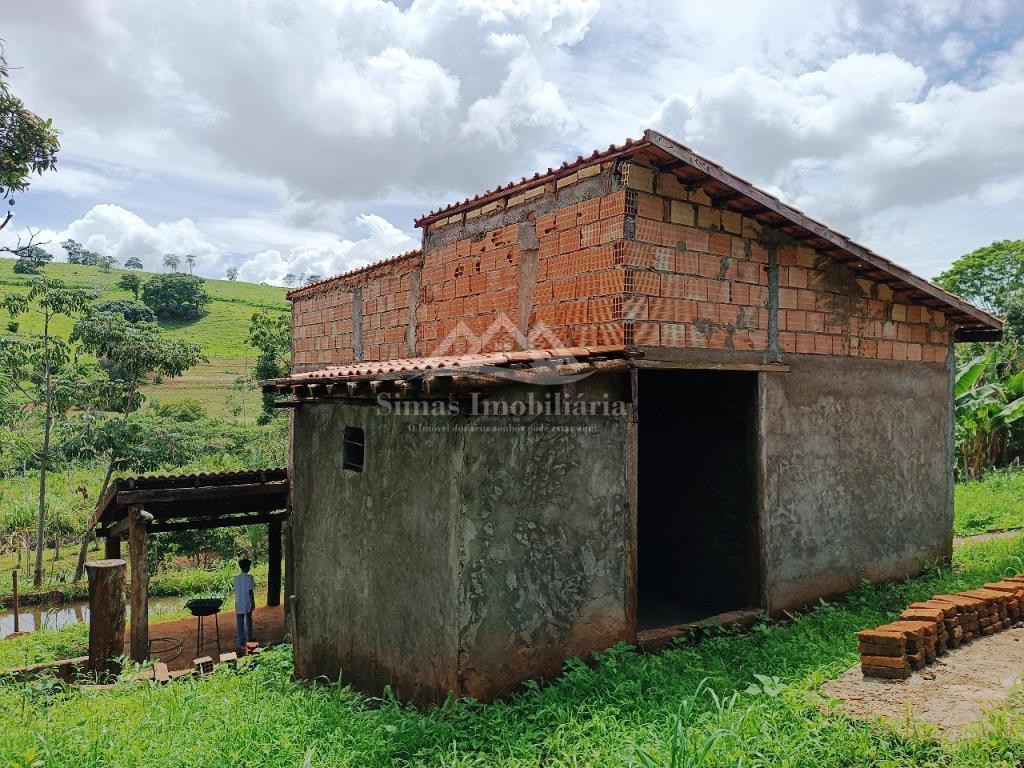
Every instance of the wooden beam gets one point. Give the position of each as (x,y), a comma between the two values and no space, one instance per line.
(138,518)
(718,200)
(274,562)
(118,530)
(112,548)
(106,615)
(977,334)
(682,365)
(215,522)
(207,492)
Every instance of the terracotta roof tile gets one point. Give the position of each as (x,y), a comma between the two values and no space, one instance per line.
(446,363)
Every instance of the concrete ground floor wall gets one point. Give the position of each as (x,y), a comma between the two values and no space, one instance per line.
(476,550)
(856,465)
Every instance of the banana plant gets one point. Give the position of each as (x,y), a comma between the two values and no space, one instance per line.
(987,405)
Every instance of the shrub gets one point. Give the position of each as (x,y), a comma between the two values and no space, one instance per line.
(176,296)
(31,259)
(132,311)
(186,410)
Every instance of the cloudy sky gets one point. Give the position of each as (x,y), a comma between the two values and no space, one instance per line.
(305,136)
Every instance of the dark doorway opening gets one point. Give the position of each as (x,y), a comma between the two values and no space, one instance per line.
(697,552)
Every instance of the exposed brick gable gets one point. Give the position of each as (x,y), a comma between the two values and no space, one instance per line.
(628,256)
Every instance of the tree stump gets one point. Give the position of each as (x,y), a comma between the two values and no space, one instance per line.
(106,615)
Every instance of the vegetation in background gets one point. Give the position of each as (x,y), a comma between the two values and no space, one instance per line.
(176,432)
(176,296)
(989,403)
(31,259)
(272,336)
(130,352)
(989,388)
(741,700)
(28,143)
(40,368)
(133,283)
(993,503)
(990,277)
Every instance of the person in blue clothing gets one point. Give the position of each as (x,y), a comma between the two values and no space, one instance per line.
(245,603)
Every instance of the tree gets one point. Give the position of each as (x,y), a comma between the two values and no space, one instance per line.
(132,311)
(313,279)
(134,351)
(31,259)
(28,143)
(989,276)
(272,336)
(133,262)
(176,296)
(171,261)
(105,262)
(130,282)
(79,254)
(191,260)
(232,273)
(290,279)
(41,367)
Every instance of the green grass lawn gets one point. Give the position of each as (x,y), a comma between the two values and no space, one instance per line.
(994,503)
(627,709)
(222,333)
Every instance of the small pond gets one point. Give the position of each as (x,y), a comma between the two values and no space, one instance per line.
(56,616)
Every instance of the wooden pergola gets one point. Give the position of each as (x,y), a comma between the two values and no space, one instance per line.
(135,507)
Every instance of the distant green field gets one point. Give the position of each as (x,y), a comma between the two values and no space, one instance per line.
(222,333)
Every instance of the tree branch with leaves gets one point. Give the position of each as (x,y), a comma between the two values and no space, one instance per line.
(41,367)
(130,352)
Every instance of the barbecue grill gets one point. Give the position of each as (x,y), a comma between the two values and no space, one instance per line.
(201,607)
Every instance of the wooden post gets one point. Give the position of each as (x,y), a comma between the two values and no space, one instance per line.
(106,614)
(137,535)
(274,562)
(17,601)
(112,547)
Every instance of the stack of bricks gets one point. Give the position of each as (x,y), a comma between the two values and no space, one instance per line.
(928,629)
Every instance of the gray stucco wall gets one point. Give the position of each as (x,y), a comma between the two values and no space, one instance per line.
(375,554)
(463,559)
(856,474)
(543,541)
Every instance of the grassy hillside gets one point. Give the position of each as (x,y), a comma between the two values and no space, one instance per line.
(221,333)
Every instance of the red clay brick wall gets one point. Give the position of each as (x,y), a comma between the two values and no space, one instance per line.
(651,264)
(579,289)
(698,277)
(322,328)
(323,331)
(467,285)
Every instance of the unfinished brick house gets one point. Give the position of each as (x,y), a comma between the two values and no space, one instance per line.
(763,416)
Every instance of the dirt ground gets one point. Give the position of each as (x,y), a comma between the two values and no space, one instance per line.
(268,624)
(951,694)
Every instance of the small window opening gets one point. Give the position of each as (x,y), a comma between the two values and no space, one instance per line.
(353,449)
